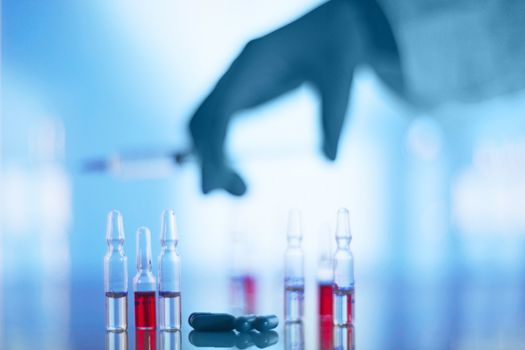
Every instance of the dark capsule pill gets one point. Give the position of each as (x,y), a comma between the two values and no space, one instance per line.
(244,323)
(210,322)
(265,323)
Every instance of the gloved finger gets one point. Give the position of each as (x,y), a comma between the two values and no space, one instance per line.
(221,177)
(334,104)
(332,72)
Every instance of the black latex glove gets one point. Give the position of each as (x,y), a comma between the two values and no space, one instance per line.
(321,48)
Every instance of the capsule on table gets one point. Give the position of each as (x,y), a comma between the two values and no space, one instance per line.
(265,323)
(244,323)
(211,322)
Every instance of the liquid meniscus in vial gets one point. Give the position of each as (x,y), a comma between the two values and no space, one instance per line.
(293,303)
(169,310)
(117,311)
(343,306)
(145,314)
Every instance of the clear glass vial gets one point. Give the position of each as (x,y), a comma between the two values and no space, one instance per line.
(343,272)
(294,270)
(144,284)
(116,274)
(169,274)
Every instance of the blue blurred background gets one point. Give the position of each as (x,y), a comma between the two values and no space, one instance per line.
(436,196)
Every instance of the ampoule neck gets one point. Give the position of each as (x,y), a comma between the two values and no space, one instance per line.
(343,243)
(116,246)
(343,235)
(294,242)
(168,245)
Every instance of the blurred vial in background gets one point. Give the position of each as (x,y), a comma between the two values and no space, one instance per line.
(144,283)
(294,270)
(116,274)
(117,340)
(36,217)
(343,272)
(169,274)
(243,285)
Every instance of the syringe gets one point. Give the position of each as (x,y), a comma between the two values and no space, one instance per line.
(155,163)
(139,164)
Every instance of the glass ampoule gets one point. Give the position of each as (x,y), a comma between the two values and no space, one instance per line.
(169,274)
(294,270)
(116,274)
(144,283)
(325,281)
(243,283)
(325,273)
(343,272)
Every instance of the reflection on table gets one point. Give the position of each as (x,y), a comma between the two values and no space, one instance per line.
(170,340)
(145,339)
(344,338)
(294,336)
(233,339)
(116,340)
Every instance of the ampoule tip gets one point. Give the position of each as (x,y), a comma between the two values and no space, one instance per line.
(143,248)
(343,224)
(294,224)
(114,226)
(168,229)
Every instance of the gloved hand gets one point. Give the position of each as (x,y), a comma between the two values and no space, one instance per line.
(321,48)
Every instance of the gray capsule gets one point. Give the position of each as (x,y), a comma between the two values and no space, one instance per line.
(265,323)
(244,323)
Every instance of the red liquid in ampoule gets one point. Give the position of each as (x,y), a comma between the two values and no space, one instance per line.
(145,314)
(326,309)
(326,301)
